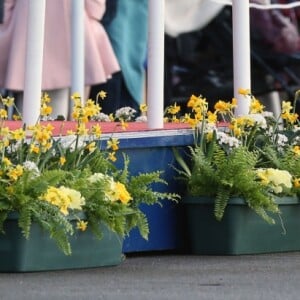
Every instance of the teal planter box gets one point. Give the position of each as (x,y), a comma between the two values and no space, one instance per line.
(241,231)
(40,252)
(151,151)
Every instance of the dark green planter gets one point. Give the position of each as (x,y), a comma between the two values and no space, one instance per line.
(40,252)
(241,231)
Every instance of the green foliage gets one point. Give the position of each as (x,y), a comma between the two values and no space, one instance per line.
(255,157)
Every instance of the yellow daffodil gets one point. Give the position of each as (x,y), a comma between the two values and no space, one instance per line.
(143,108)
(113,144)
(81,225)
(102,94)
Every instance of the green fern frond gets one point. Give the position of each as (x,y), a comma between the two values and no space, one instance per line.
(221,202)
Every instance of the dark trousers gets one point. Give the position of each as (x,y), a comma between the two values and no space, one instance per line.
(117,94)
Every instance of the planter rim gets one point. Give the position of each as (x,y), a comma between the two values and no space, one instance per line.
(285,200)
(14,215)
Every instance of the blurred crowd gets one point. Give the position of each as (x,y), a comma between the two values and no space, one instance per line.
(198,54)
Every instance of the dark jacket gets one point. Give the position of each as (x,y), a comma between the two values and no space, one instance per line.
(1,11)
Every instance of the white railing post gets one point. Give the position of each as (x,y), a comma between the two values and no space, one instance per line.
(34,61)
(241,53)
(77,48)
(155,74)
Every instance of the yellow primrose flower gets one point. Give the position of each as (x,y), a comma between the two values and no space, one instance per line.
(76,201)
(113,144)
(122,193)
(296,183)
(81,225)
(57,197)
(296,150)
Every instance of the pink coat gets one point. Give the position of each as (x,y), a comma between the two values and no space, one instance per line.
(100,60)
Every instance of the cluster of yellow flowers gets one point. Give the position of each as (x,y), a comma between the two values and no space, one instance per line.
(276,179)
(114,191)
(64,198)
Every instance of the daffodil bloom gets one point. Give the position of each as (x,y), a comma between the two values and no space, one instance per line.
(18,134)
(111,117)
(286,107)
(124,124)
(244,92)
(16,117)
(15,173)
(46,110)
(222,107)
(102,94)
(91,147)
(256,106)
(113,144)
(112,156)
(211,117)
(173,109)
(81,225)
(96,130)
(3,113)
(45,98)
(62,160)
(82,130)
(8,101)
(34,149)
(143,108)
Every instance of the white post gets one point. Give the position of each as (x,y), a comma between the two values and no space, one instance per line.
(34,61)
(241,53)
(77,48)
(155,81)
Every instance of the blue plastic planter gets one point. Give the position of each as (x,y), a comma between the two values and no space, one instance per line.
(151,151)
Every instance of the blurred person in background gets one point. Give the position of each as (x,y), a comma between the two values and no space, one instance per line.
(100,60)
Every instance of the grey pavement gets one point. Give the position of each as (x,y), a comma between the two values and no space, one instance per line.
(163,276)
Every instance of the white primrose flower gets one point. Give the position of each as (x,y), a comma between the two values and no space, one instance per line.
(126,113)
(225,139)
(259,119)
(31,166)
(141,119)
